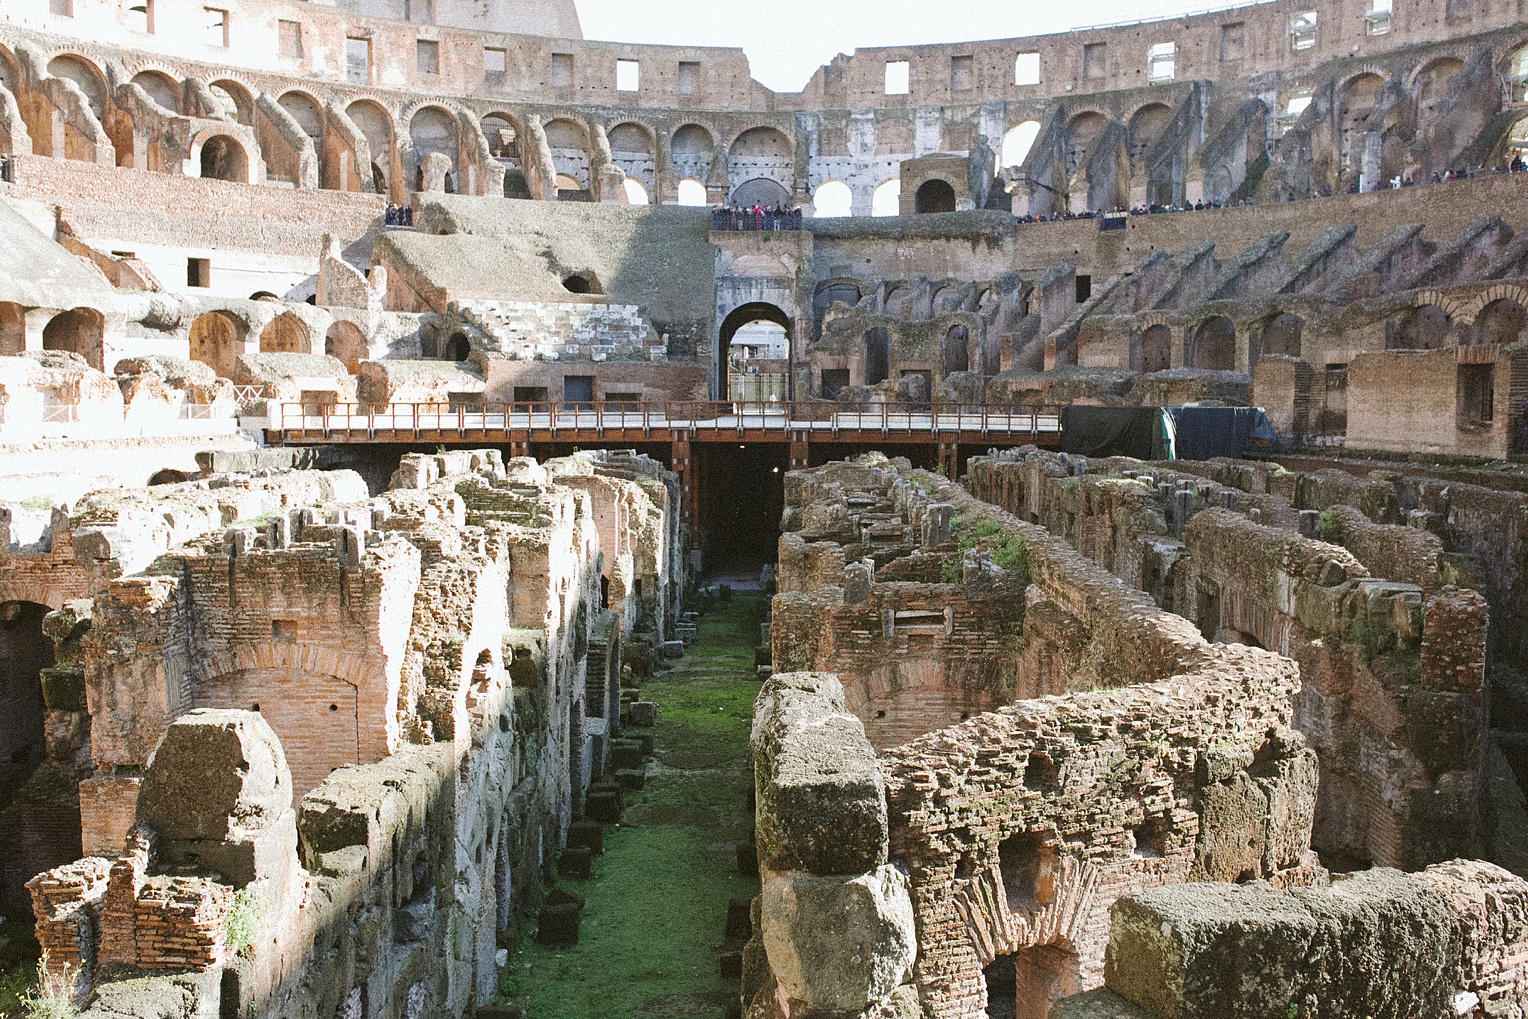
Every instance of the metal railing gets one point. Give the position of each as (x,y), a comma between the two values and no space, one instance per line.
(819,420)
(60,413)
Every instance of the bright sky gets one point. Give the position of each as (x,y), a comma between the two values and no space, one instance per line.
(786,40)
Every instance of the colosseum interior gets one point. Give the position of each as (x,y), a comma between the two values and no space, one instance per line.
(499,525)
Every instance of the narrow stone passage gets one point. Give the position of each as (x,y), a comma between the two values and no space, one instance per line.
(653,927)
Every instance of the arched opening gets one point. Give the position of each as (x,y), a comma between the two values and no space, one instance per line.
(633,192)
(1502,322)
(309,115)
(1431,87)
(631,148)
(432,131)
(887,200)
(13,329)
(1017,143)
(832,199)
(167,476)
(692,193)
(934,196)
(736,320)
(503,138)
(233,101)
(1421,328)
(1146,126)
(285,334)
(761,191)
(1282,335)
(570,189)
(1515,143)
(1026,984)
(957,350)
(1517,73)
(160,88)
(1214,344)
(828,295)
(877,356)
(223,158)
(1154,350)
(79,331)
(763,152)
(217,340)
(458,347)
(569,142)
(691,150)
(1359,98)
(345,342)
(1081,133)
(376,126)
(87,76)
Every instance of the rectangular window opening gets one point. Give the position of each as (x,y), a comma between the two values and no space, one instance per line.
(358,61)
(962,73)
(1160,61)
(1302,30)
(198,272)
(562,70)
(1233,41)
(1026,69)
(215,27)
(427,56)
(289,40)
(1377,18)
(628,75)
(495,61)
(898,77)
(1476,395)
(1095,56)
(1084,288)
(61,8)
(689,75)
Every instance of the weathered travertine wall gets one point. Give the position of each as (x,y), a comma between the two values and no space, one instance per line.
(435,672)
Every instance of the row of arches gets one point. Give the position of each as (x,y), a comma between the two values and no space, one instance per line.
(218,339)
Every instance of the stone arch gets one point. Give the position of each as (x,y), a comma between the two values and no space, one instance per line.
(832,199)
(307,111)
(1146,125)
(376,126)
(691,150)
(569,141)
(161,88)
(1152,351)
(346,342)
(1282,335)
(504,135)
(432,129)
(285,334)
(217,339)
(1501,322)
(221,156)
(692,192)
(235,100)
(1431,83)
(1424,327)
(80,331)
(1214,344)
(887,200)
(633,147)
(1360,95)
(754,311)
(1514,68)
(1017,142)
(1082,132)
(13,329)
(85,74)
(10,74)
(934,195)
(633,193)
(762,152)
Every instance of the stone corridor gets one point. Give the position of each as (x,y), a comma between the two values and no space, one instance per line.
(654,928)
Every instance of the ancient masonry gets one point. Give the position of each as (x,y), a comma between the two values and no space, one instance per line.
(296,716)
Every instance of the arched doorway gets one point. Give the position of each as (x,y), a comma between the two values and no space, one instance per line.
(285,334)
(1501,322)
(1282,335)
(760,191)
(346,342)
(877,356)
(1154,350)
(1214,345)
(217,340)
(757,311)
(934,196)
(1422,328)
(223,158)
(957,350)
(79,331)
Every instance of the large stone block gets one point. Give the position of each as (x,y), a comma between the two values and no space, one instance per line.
(821,797)
(1380,943)
(839,942)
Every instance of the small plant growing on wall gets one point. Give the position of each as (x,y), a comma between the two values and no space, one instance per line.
(50,997)
(243,922)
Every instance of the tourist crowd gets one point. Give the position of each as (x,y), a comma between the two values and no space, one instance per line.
(733,217)
(398,215)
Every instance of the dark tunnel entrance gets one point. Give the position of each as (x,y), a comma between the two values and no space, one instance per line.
(741,496)
(27,844)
